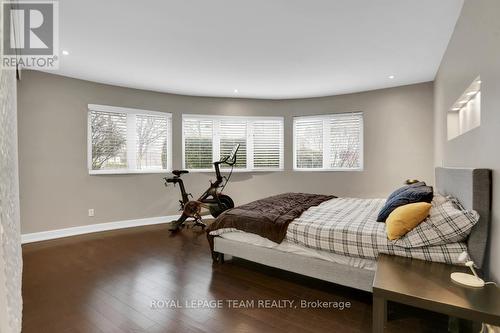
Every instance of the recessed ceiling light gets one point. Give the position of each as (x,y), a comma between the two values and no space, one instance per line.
(235,91)
(470,93)
(64,52)
(456,109)
(391,77)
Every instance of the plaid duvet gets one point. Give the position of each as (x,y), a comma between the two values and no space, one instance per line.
(348,226)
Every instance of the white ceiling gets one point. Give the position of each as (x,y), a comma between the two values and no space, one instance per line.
(263,48)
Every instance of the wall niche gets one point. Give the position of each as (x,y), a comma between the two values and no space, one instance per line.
(465,114)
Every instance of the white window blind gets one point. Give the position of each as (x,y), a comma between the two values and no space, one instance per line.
(232,132)
(309,143)
(125,140)
(209,138)
(198,143)
(345,141)
(267,144)
(329,142)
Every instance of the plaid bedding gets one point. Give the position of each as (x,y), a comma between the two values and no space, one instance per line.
(348,226)
(448,222)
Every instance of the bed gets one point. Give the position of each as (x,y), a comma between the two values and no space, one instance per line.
(472,187)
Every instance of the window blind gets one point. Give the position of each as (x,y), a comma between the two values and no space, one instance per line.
(345,141)
(231,133)
(309,143)
(123,140)
(198,143)
(260,139)
(267,144)
(330,142)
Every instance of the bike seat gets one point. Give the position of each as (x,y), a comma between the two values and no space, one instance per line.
(179,172)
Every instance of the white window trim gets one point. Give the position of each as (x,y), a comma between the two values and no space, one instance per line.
(326,151)
(215,137)
(130,140)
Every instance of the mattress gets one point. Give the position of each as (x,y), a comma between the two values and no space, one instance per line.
(288,247)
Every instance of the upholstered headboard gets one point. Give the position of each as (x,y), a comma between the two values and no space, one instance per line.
(472,187)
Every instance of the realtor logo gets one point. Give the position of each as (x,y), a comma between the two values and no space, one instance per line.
(30,34)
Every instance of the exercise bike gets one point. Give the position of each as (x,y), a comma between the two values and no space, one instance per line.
(212,198)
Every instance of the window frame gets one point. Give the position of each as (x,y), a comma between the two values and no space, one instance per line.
(127,111)
(249,141)
(326,146)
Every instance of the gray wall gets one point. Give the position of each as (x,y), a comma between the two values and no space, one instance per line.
(474,50)
(56,190)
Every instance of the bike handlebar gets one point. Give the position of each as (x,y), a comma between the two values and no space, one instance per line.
(231,157)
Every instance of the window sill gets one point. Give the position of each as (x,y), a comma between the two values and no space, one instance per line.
(234,170)
(326,170)
(127,172)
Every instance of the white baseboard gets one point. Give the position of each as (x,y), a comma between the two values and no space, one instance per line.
(87,229)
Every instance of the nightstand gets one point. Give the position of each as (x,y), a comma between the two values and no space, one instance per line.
(427,285)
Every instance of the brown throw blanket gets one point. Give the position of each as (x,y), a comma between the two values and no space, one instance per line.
(267,217)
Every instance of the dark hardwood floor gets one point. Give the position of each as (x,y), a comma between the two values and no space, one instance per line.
(107,282)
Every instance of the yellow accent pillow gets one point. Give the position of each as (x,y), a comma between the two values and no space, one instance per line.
(404,218)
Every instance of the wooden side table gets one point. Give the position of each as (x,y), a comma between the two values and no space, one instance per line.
(427,285)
